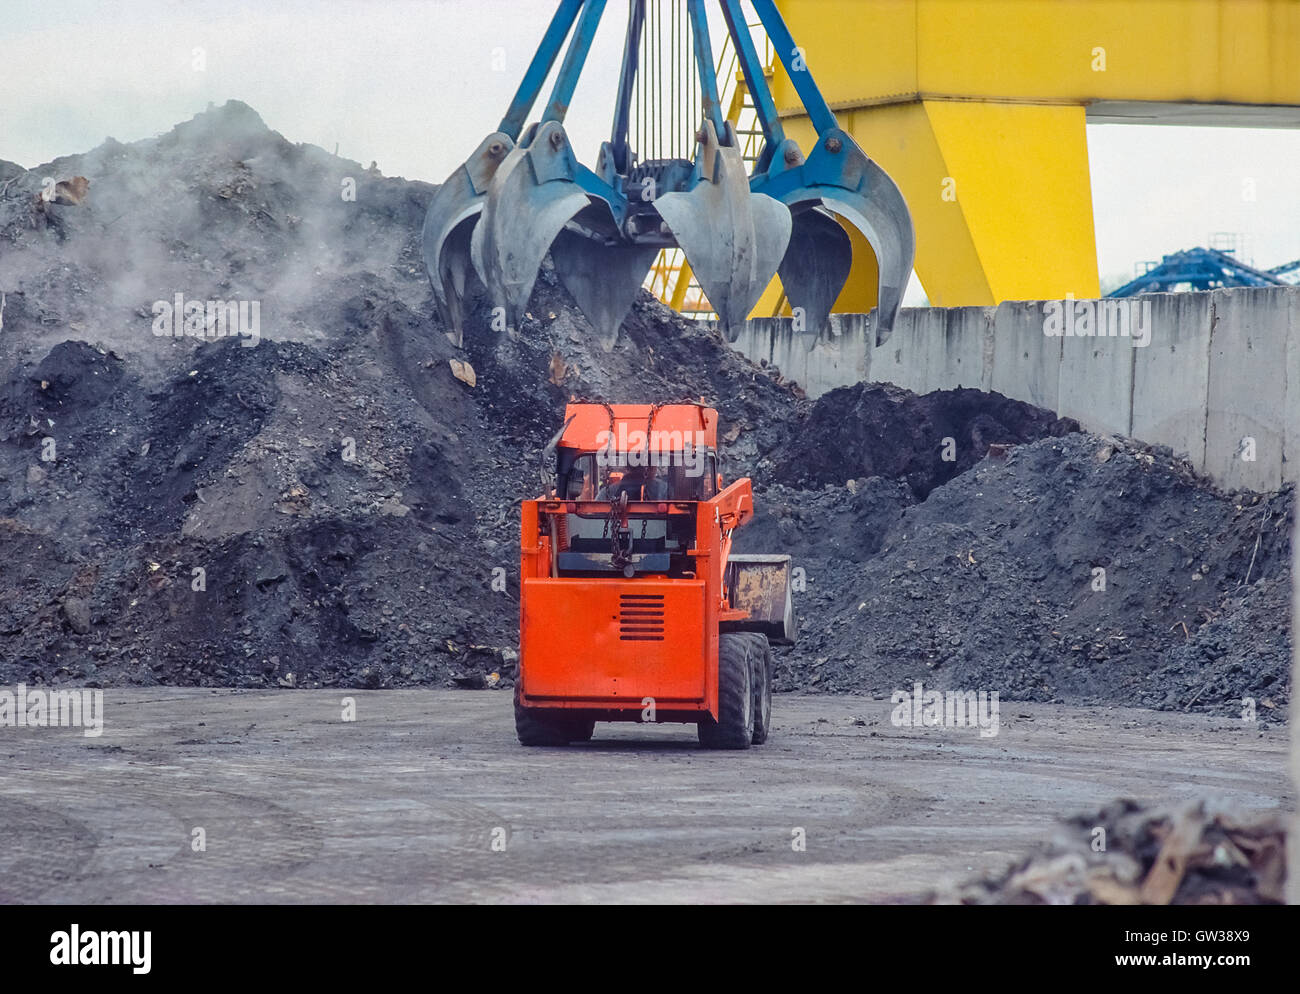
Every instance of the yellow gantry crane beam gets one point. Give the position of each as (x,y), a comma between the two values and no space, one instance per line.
(978,111)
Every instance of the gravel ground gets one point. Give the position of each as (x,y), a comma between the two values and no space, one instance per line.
(427,796)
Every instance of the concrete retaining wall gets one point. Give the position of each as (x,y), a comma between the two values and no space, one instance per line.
(1219,373)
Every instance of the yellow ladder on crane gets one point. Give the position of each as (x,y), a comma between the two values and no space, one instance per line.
(670,278)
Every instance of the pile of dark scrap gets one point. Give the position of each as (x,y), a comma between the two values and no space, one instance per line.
(349,487)
(1128,854)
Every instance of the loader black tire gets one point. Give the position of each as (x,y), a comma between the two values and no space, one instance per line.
(761,659)
(734,728)
(582,730)
(536,727)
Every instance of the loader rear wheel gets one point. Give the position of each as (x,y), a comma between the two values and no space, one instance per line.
(734,728)
(539,729)
(536,727)
(761,659)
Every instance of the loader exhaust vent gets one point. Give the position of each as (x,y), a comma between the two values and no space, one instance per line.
(641,617)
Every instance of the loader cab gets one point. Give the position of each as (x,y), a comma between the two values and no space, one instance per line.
(657,542)
(629,482)
(602,476)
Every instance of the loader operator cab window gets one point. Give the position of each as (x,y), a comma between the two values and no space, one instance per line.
(576,486)
(638,482)
(577,476)
(693,478)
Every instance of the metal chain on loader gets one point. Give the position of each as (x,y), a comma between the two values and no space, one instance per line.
(616,525)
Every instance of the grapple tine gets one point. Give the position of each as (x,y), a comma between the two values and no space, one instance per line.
(452,213)
(531,198)
(882,216)
(603,279)
(733,239)
(452,264)
(815,269)
(858,191)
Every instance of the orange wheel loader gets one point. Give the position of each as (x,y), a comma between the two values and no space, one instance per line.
(631,605)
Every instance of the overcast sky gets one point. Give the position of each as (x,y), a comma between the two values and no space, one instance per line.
(416,85)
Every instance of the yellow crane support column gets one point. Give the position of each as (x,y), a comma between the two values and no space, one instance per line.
(979,111)
(1000,195)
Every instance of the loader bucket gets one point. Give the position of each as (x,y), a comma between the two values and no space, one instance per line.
(604,279)
(733,239)
(531,198)
(815,269)
(452,214)
(760,584)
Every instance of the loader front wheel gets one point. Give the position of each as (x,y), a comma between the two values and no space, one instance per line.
(734,728)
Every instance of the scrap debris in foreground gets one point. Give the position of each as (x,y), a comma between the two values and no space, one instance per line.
(1192,855)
